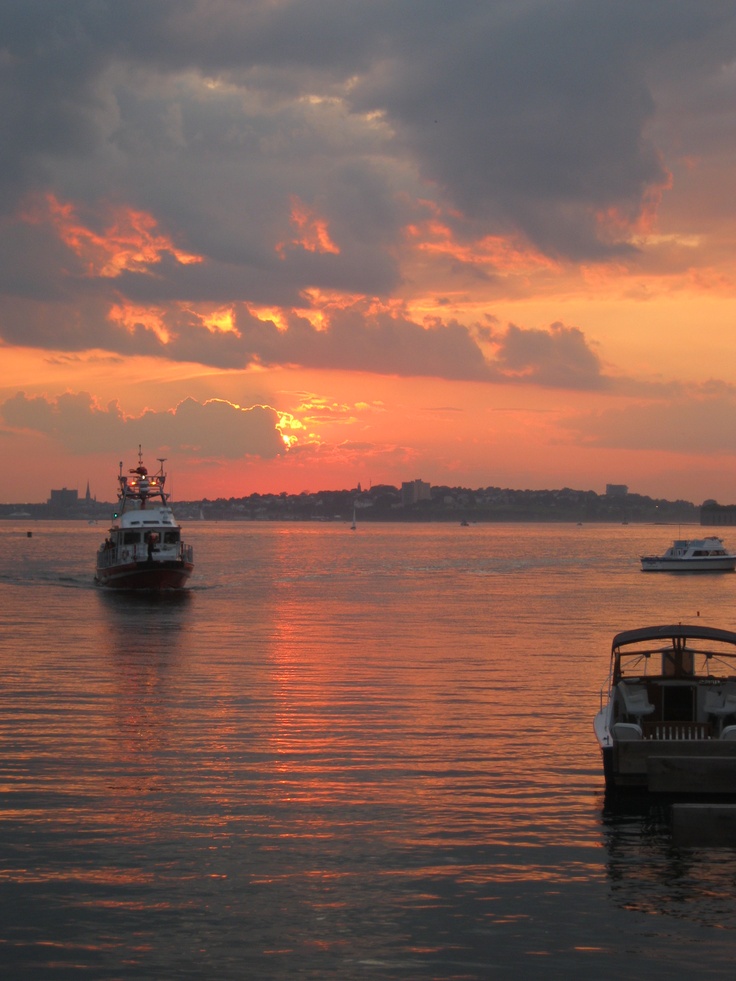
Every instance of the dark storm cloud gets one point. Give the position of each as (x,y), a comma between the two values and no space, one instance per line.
(212,429)
(532,115)
(525,117)
(555,358)
(352,339)
(511,105)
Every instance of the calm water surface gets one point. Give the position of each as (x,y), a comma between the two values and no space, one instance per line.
(340,755)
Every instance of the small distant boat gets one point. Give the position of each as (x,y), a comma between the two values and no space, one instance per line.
(694,555)
(353,526)
(144,549)
(667,721)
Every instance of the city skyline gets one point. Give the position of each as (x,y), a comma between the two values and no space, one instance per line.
(297,245)
(409,491)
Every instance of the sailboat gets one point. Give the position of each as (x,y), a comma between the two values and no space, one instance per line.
(353,526)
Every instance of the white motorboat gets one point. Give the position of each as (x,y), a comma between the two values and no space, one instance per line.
(667,721)
(694,555)
(144,549)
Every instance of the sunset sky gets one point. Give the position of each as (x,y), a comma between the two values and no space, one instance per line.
(300,244)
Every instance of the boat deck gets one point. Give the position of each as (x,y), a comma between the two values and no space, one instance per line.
(675,733)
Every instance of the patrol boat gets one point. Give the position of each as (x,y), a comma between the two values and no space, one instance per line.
(144,549)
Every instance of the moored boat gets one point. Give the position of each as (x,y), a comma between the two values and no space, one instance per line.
(667,721)
(144,549)
(694,555)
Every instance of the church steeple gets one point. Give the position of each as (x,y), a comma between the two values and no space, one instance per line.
(87,496)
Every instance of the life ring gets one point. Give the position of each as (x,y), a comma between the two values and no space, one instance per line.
(126,554)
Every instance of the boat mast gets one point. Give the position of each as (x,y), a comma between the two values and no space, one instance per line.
(162,479)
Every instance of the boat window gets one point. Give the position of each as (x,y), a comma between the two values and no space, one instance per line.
(131,537)
(678,663)
(171,537)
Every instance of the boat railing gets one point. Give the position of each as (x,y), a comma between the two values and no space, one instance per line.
(677,731)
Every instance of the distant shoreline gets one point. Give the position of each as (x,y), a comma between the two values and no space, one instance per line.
(388,504)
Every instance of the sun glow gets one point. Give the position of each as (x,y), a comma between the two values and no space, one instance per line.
(289,422)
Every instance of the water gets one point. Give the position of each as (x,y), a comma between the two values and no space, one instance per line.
(340,755)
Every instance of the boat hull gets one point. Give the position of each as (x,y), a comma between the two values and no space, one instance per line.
(714,564)
(148,575)
(692,555)
(663,766)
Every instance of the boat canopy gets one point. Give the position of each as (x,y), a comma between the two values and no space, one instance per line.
(679,631)
(632,651)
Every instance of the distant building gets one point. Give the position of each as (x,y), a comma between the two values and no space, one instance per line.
(63,498)
(413,491)
(715,515)
(616,490)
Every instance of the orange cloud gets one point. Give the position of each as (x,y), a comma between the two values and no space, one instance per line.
(312,230)
(133,317)
(221,321)
(615,224)
(273,315)
(321,303)
(435,238)
(325,302)
(129,243)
